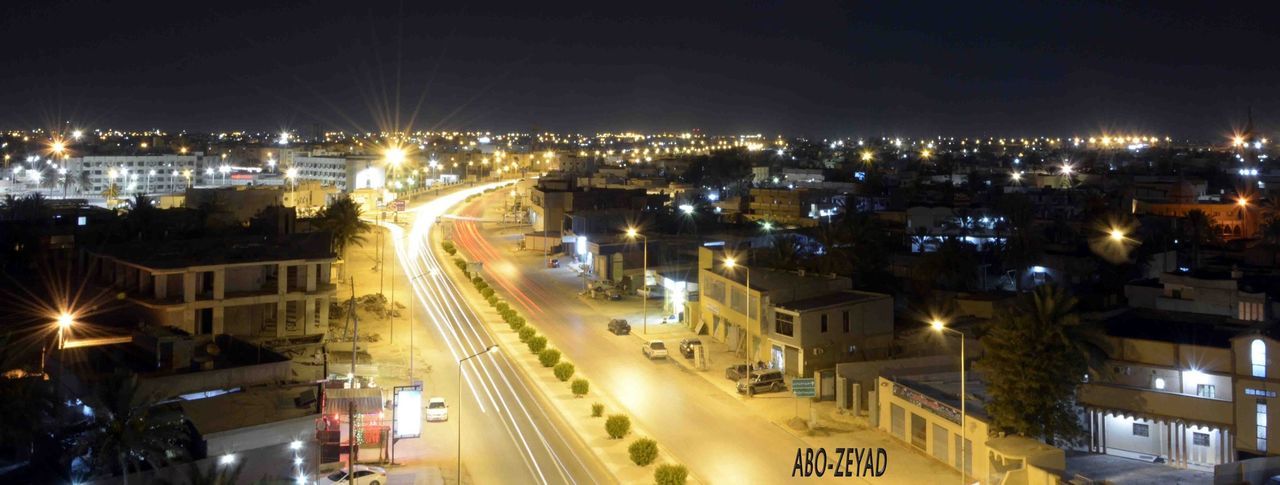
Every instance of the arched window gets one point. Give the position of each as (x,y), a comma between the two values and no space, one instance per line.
(1258,357)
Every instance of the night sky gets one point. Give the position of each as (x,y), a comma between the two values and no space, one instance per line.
(810,68)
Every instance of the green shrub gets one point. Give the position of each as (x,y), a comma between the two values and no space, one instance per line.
(617,425)
(643,451)
(488,292)
(462,265)
(448,248)
(536,344)
(492,299)
(563,371)
(516,323)
(478,281)
(549,358)
(597,410)
(580,387)
(503,308)
(670,475)
(527,333)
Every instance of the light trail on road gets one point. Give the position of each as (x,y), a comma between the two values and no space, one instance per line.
(549,455)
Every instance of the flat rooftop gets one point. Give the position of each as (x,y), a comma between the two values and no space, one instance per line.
(832,299)
(944,385)
(1174,327)
(248,408)
(217,251)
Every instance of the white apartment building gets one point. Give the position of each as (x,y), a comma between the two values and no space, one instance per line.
(152,174)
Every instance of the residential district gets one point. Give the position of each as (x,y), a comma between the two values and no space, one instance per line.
(464,307)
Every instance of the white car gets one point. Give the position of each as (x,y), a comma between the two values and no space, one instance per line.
(437,410)
(364,475)
(655,350)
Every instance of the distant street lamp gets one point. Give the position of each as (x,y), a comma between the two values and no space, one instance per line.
(940,327)
(632,234)
(491,348)
(291,173)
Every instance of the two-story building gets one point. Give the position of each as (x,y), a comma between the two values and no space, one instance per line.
(253,287)
(1192,377)
(792,321)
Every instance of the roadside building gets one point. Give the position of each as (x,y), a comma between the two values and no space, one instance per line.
(792,207)
(252,287)
(921,407)
(151,174)
(792,321)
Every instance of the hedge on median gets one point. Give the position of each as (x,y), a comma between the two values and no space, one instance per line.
(580,387)
(527,333)
(643,451)
(563,371)
(549,357)
(618,425)
(670,475)
(536,344)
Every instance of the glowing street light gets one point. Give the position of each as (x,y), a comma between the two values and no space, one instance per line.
(866,156)
(1116,234)
(1242,202)
(767,226)
(939,326)
(730,263)
(632,234)
(292,174)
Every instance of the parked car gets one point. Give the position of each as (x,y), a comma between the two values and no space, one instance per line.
(619,326)
(650,292)
(437,410)
(364,475)
(655,350)
(769,380)
(735,372)
(687,345)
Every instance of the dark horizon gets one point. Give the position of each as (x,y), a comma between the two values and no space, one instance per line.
(820,70)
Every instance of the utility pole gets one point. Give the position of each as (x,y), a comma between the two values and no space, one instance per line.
(351,406)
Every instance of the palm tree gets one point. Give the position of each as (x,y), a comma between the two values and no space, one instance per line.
(141,215)
(125,432)
(1199,228)
(11,205)
(342,219)
(1022,243)
(1054,309)
(111,193)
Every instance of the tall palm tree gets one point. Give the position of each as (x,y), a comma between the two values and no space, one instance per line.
(1199,228)
(11,205)
(342,219)
(1054,309)
(141,216)
(125,431)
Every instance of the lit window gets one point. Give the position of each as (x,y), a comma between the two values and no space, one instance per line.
(1160,383)
(1258,357)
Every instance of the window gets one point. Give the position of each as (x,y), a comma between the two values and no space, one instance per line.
(1200,439)
(845,317)
(824,323)
(1140,429)
(1159,383)
(1261,422)
(783,324)
(1206,390)
(1258,357)
(1259,392)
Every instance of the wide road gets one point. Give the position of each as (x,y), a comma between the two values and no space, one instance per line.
(510,432)
(716,435)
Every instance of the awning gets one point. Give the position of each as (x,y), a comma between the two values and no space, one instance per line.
(367,400)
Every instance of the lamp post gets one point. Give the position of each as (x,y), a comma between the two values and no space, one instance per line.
(941,328)
(730,263)
(632,234)
(460,362)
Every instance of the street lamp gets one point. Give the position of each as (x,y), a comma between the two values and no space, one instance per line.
(292,174)
(1116,234)
(491,348)
(940,327)
(632,234)
(730,263)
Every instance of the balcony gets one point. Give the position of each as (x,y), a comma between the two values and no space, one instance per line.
(1157,403)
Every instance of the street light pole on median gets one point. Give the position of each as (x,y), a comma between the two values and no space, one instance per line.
(460,362)
(731,263)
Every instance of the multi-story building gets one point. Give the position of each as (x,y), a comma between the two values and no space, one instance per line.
(792,321)
(1192,381)
(152,174)
(795,207)
(248,287)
